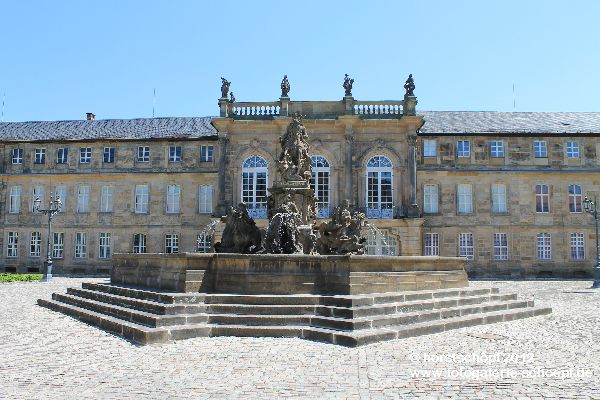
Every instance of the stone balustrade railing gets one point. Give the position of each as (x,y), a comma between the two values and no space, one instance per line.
(254,109)
(378,108)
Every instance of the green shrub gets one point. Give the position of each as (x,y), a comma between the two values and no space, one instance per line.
(7,278)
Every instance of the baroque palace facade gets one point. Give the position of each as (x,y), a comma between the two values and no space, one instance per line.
(503,189)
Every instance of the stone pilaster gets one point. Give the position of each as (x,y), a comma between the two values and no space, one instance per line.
(223,107)
(348,178)
(222,204)
(413,208)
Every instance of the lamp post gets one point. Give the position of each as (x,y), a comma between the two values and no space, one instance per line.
(54,206)
(591,207)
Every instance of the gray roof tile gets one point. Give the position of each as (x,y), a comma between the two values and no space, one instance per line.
(141,128)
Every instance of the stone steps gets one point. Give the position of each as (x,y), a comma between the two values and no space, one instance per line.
(146,316)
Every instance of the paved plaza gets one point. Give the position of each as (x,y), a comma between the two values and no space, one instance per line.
(44,354)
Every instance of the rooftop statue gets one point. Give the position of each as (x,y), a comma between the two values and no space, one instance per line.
(231,97)
(348,85)
(285,86)
(224,87)
(294,161)
(410,86)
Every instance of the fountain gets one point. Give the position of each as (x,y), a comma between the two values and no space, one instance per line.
(298,279)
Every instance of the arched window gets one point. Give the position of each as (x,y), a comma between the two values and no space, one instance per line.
(380,188)
(319,183)
(254,186)
(381,243)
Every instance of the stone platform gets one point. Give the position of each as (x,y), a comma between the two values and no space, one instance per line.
(345,300)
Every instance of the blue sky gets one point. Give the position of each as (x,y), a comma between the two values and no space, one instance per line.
(61,59)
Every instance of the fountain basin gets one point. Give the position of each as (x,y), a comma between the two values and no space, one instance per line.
(287,274)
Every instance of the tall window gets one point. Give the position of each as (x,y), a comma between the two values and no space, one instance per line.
(380,188)
(108,156)
(83,199)
(143,154)
(173,198)
(14,203)
(139,243)
(381,243)
(35,244)
(465,246)
(499,198)
(39,156)
(500,246)
(204,243)
(254,186)
(430,199)
(429,148)
(106,198)
(497,149)
(206,153)
(463,148)
(572,150)
(58,245)
(540,149)
(62,155)
(12,244)
(171,243)
(85,155)
(465,198)
(141,199)
(104,245)
(61,193)
(17,156)
(319,183)
(544,246)
(575,202)
(174,153)
(432,244)
(37,192)
(80,245)
(542,198)
(577,246)
(205,198)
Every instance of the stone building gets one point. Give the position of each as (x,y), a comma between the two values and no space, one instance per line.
(503,189)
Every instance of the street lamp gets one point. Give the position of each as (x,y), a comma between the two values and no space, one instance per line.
(590,207)
(54,206)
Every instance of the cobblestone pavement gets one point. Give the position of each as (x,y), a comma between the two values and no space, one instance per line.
(44,354)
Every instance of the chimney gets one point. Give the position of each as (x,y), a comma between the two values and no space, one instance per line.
(90,116)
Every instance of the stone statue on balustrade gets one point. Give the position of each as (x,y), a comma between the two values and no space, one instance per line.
(285,86)
(241,235)
(348,85)
(409,86)
(231,97)
(225,84)
(343,234)
(294,161)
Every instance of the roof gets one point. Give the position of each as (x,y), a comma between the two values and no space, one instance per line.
(140,128)
(452,122)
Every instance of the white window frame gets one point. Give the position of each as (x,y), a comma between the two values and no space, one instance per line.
(205,199)
(16,156)
(204,243)
(175,153)
(499,205)
(171,243)
(466,246)
(39,156)
(111,155)
(540,149)
(497,149)
(320,183)
(463,148)
(58,245)
(575,198)
(141,199)
(83,199)
(500,247)
(14,200)
(62,155)
(379,195)
(431,243)
(543,197)
(381,243)
(104,245)
(85,155)
(577,246)
(35,244)
(207,152)
(544,246)
(106,198)
(139,243)
(464,198)
(255,178)
(12,244)
(173,199)
(143,154)
(81,245)
(429,148)
(572,149)
(431,198)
